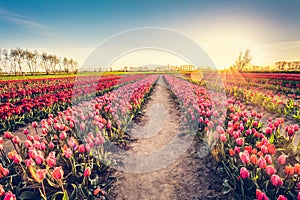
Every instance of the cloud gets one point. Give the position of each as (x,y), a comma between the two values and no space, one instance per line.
(25,23)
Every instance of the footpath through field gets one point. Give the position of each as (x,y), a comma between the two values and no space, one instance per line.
(188,177)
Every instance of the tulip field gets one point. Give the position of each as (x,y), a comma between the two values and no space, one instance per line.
(56,132)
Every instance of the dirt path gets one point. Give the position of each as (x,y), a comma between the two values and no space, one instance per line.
(184,176)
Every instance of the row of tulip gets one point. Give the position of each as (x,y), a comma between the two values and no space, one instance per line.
(66,157)
(266,99)
(25,110)
(271,100)
(286,84)
(16,90)
(259,160)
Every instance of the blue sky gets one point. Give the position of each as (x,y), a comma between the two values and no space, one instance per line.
(270,28)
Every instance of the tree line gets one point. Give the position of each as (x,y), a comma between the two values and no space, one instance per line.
(243,63)
(17,61)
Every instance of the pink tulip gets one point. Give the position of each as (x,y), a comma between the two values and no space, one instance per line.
(270,170)
(282,159)
(276,180)
(244,173)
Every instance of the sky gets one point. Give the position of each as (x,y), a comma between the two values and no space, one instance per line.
(269,28)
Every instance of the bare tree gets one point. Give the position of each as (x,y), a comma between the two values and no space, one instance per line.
(17,60)
(65,64)
(53,62)
(45,62)
(73,66)
(31,60)
(242,61)
(17,56)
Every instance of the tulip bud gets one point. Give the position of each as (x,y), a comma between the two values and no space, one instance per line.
(34,124)
(87,172)
(281,197)
(25,131)
(63,135)
(8,135)
(81,148)
(16,140)
(51,145)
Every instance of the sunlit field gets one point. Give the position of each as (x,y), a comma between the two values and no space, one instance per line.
(149,100)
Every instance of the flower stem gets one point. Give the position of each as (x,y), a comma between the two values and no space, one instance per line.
(44,191)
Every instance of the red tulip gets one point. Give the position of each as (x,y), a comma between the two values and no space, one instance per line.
(40,174)
(16,140)
(281,197)
(223,137)
(87,172)
(260,195)
(51,145)
(253,159)
(25,131)
(39,159)
(44,131)
(269,131)
(231,152)
(289,170)
(268,159)
(51,161)
(63,135)
(9,196)
(8,135)
(81,148)
(297,168)
(57,173)
(34,124)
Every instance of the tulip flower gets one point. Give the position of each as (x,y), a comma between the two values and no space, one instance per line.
(244,173)
(260,195)
(282,159)
(244,156)
(8,135)
(87,172)
(2,191)
(25,131)
(57,173)
(289,170)
(262,163)
(9,196)
(268,159)
(34,124)
(281,197)
(270,170)
(276,180)
(297,168)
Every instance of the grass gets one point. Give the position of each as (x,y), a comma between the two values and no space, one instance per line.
(26,77)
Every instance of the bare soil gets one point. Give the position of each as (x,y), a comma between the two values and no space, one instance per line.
(186,177)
